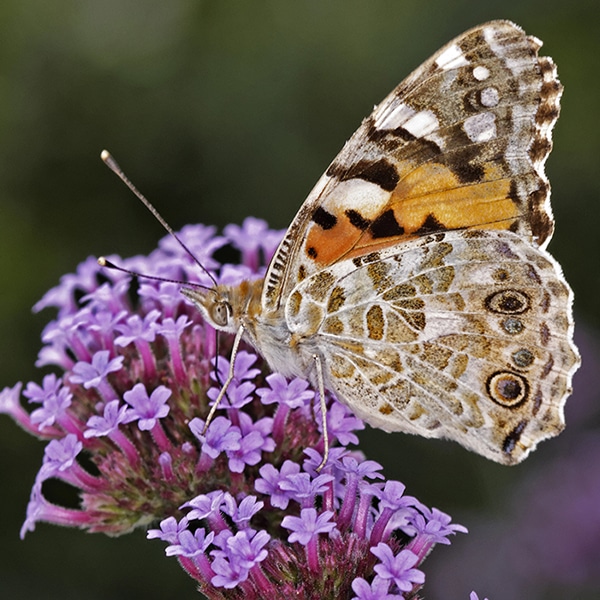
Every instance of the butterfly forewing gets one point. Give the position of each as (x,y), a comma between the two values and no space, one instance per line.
(460,143)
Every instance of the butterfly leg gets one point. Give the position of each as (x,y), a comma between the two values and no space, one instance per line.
(234,350)
(323,407)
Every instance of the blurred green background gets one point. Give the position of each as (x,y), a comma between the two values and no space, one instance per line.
(219,110)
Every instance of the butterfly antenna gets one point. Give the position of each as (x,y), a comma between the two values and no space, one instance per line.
(112,164)
(104,262)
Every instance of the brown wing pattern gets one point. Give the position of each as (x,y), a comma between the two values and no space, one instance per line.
(459,144)
(459,335)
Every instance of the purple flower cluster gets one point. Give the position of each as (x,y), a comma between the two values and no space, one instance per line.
(335,534)
(240,503)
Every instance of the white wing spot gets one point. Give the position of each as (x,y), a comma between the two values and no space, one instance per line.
(489,97)
(489,34)
(481,127)
(451,58)
(481,73)
(392,117)
(422,123)
(365,197)
(518,65)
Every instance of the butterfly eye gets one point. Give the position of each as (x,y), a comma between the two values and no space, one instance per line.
(220,313)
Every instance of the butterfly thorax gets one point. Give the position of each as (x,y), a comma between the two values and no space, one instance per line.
(231,307)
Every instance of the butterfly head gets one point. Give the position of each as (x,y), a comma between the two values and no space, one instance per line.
(226,307)
(214,304)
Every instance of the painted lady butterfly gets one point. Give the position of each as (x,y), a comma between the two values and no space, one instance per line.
(414,281)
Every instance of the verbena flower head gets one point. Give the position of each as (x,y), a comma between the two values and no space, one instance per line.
(241,505)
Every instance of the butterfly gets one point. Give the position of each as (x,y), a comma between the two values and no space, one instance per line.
(413,282)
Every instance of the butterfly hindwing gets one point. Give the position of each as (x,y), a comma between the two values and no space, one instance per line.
(461,336)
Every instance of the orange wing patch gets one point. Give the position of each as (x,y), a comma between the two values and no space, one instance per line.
(425,199)
(431,198)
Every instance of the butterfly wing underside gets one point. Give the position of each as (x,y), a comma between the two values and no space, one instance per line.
(465,336)
(460,143)
(416,269)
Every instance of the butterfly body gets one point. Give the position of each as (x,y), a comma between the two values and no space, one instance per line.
(414,281)
(234,308)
